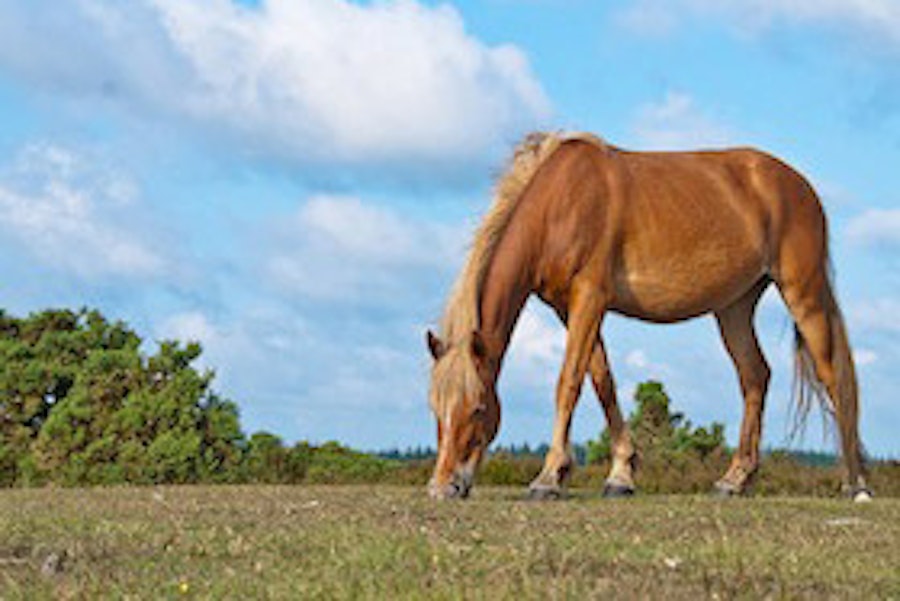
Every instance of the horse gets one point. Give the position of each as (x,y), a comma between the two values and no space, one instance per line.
(659,236)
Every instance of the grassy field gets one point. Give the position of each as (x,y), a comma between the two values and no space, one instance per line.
(383,542)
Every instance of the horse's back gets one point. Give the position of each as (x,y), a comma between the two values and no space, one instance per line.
(698,229)
(678,234)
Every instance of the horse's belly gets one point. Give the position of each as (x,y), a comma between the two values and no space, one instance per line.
(674,290)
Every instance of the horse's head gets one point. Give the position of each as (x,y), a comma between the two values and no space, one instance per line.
(465,404)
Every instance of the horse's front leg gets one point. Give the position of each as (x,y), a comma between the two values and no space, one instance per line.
(585,312)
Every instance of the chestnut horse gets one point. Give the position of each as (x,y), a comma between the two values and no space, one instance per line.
(660,236)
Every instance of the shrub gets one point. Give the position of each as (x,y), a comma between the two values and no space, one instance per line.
(331,463)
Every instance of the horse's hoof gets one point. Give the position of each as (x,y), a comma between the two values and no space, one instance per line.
(545,493)
(863,495)
(612,490)
(725,490)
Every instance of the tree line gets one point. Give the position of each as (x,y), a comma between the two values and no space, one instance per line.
(82,403)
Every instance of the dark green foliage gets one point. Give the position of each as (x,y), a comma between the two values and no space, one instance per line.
(661,435)
(268,460)
(331,463)
(81,404)
(504,468)
(674,455)
(601,449)
(658,430)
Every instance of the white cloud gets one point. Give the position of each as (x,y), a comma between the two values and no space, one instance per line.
(536,347)
(637,359)
(641,366)
(297,80)
(875,227)
(74,215)
(876,315)
(676,123)
(315,376)
(864,356)
(878,18)
(648,17)
(365,231)
(189,326)
(340,248)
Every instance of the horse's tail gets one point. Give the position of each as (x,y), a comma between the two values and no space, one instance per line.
(842,405)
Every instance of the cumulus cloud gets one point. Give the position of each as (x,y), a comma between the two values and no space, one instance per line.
(192,326)
(676,122)
(637,359)
(536,348)
(864,356)
(879,18)
(302,81)
(876,227)
(641,366)
(313,376)
(75,215)
(877,315)
(338,248)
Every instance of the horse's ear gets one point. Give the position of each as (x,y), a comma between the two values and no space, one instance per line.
(478,347)
(435,345)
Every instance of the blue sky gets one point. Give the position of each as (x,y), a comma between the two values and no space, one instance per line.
(293,183)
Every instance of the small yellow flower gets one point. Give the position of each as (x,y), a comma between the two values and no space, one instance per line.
(183,587)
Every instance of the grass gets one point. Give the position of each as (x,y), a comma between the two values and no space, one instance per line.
(349,542)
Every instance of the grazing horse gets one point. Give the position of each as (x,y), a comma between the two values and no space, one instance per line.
(659,236)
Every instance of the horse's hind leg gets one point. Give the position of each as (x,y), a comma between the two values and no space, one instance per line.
(620,481)
(736,327)
(823,338)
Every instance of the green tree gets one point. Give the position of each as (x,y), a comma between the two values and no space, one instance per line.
(333,463)
(601,449)
(266,459)
(40,360)
(81,404)
(660,433)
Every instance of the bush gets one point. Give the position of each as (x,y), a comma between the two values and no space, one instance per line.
(81,404)
(331,464)
(504,469)
(673,455)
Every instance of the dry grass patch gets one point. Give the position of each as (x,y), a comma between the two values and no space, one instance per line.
(392,542)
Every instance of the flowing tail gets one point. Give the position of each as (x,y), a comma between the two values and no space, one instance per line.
(840,400)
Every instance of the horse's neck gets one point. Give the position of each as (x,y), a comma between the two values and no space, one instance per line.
(506,287)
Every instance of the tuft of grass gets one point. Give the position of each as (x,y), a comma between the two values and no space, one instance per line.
(351,542)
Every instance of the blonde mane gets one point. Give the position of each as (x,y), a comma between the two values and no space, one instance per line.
(456,371)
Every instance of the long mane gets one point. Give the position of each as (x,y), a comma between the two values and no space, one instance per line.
(456,372)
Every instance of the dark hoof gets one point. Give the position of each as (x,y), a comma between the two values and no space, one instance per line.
(612,490)
(725,490)
(448,491)
(545,493)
